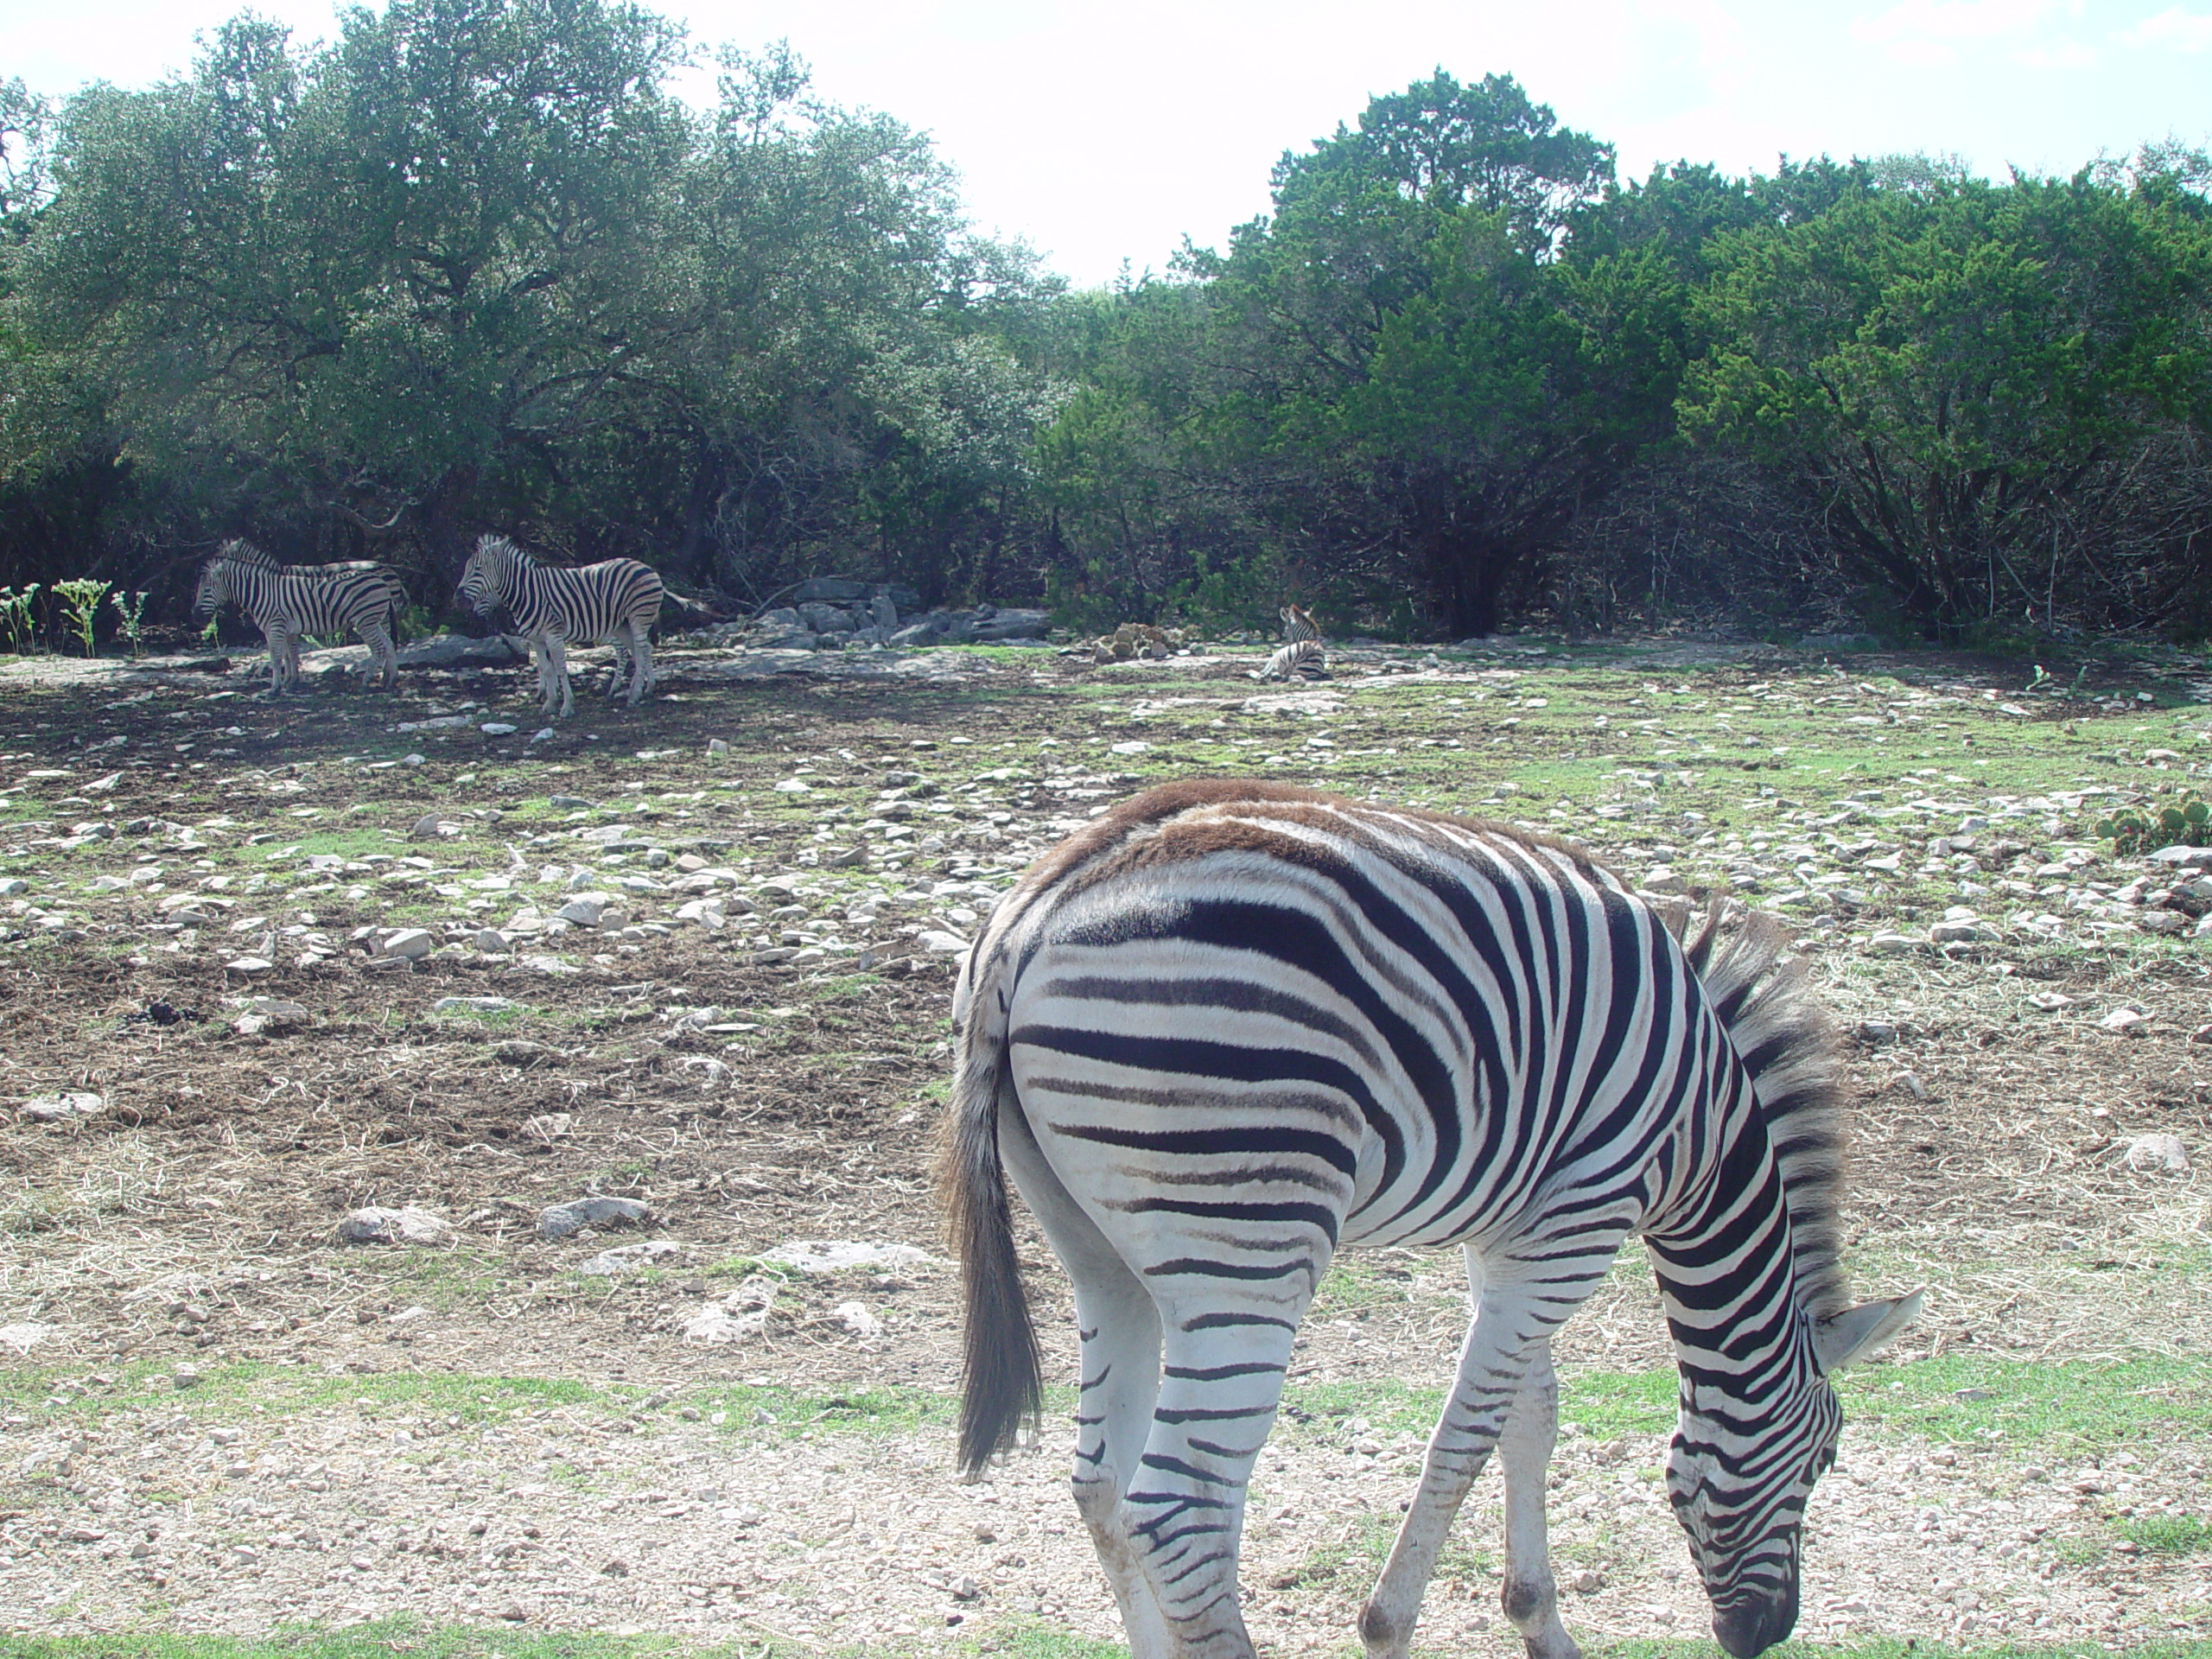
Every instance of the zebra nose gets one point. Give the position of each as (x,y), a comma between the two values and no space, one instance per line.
(1753,1627)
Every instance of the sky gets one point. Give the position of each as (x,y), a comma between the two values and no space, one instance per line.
(1104,134)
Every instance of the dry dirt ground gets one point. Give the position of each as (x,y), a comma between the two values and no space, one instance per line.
(219,1417)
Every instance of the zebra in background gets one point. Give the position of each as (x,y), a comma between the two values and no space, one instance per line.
(1233,1026)
(618,600)
(1304,657)
(285,601)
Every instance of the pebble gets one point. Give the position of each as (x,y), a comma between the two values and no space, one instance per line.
(497,729)
(2127,1021)
(1895,944)
(59,1108)
(253,964)
(2158,1151)
(935,942)
(408,1225)
(408,943)
(623,1257)
(559,1220)
(472,1004)
(490,941)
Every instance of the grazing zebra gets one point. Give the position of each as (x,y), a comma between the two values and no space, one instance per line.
(1303,657)
(1233,1026)
(618,600)
(288,601)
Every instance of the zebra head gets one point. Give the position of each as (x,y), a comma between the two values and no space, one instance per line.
(215,590)
(484,581)
(1742,1465)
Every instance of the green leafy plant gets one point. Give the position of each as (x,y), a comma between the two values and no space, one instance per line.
(15,617)
(2186,822)
(130,616)
(80,599)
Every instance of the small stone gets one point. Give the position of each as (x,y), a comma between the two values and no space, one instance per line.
(586,910)
(2163,921)
(497,729)
(935,942)
(617,1568)
(251,965)
(1910,1083)
(2126,1021)
(1587,1582)
(717,746)
(623,1257)
(428,827)
(559,1220)
(59,1108)
(184,1377)
(406,944)
(1875,1033)
(2158,1151)
(1662,879)
(794,786)
(2051,1001)
(490,941)
(408,1225)
(472,1005)
(1895,944)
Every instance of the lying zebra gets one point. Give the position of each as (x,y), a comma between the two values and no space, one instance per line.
(617,600)
(1303,657)
(358,597)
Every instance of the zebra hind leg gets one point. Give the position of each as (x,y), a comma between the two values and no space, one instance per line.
(1119,1328)
(383,658)
(641,651)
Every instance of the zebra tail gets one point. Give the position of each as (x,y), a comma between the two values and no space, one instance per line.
(1001,1376)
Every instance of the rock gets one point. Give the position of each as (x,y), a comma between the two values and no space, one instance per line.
(10,886)
(915,634)
(1962,932)
(408,943)
(262,1013)
(185,1376)
(559,1220)
(409,1225)
(1009,624)
(1587,1582)
(855,1318)
(717,1323)
(2051,1001)
(935,942)
(59,1108)
(459,650)
(569,804)
(2163,921)
(472,1005)
(24,1337)
(497,729)
(623,1257)
(2157,1151)
(1895,944)
(585,910)
(1662,879)
(1874,1033)
(2127,1021)
(717,746)
(2184,858)
(490,941)
(249,964)
(884,611)
(794,786)
(428,827)
(835,1255)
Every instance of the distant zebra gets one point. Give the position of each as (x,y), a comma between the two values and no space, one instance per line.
(285,601)
(617,600)
(1233,1026)
(1304,657)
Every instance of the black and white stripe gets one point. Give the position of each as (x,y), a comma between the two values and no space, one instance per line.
(1233,1026)
(1303,657)
(617,602)
(357,596)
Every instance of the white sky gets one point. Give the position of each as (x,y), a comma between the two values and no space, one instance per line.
(1101,133)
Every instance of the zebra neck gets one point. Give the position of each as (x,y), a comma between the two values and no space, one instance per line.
(1725,1259)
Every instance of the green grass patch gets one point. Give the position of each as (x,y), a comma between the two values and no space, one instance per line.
(1885,1648)
(2167,1535)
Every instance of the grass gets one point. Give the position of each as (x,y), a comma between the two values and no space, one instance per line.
(2167,1535)
(2015,1407)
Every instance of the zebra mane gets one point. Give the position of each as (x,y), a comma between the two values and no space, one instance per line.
(238,551)
(1741,957)
(502,546)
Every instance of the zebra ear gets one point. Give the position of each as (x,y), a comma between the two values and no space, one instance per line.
(1860,1333)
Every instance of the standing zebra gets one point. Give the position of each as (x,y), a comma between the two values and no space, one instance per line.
(618,600)
(1233,1026)
(1303,657)
(287,600)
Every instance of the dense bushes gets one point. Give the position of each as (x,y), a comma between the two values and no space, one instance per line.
(472,265)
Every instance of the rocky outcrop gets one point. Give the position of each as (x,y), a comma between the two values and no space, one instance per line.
(832,613)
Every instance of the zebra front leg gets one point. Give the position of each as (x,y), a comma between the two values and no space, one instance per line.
(557,678)
(279,645)
(1510,1325)
(1524,1451)
(1118,1327)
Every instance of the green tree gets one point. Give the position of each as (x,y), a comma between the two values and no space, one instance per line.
(1941,367)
